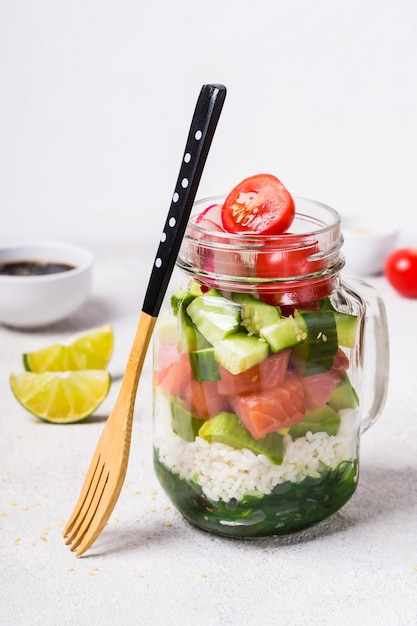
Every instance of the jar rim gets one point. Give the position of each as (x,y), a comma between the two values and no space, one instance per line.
(290,265)
(250,240)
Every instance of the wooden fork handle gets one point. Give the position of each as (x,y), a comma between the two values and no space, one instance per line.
(136,360)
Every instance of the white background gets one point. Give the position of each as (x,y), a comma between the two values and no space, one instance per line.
(96,97)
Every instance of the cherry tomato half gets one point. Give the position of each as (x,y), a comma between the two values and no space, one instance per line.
(401,271)
(259,205)
(285,262)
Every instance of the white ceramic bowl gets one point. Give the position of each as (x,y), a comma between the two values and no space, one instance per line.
(367,243)
(30,301)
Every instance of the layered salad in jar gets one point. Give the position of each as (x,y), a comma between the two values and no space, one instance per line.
(256,412)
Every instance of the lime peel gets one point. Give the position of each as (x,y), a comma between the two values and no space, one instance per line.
(89,350)
(61,397)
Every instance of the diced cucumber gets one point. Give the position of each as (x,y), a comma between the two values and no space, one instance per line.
(319,420)
(184,296)
(240,351)
(203,364)
(188,336)
(283,334)
(255,314)
(215,316)
(346,329)
(166,328)
(226,428)
(184,424)
(346,324)
(316,354)
(186,332)
(343,396)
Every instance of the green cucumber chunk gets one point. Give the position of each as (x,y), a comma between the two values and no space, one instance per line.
(166,328)
(184,424)
(325,420)
(188,336)
(215,316)
(240,351)
(346,329)
(343,396)
(255,314)
(183,297)
(203,364)
(316,354)
(226,428)
(283,334)
(346,324)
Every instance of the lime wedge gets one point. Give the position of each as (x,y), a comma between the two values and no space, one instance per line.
(61,397)
(88,351)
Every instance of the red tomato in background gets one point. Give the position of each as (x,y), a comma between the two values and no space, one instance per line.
(259,205)
(401,271)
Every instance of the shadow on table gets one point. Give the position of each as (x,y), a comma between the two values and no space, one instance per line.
(95,312)
(382,493)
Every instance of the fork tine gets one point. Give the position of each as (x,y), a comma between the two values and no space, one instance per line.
(95,486)
(101,514)
(82,498)
(91,510)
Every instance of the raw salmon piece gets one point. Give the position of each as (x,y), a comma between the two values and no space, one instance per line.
(269,410)
(318,387)
(267,374)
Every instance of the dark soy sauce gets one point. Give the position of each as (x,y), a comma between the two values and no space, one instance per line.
(33,268)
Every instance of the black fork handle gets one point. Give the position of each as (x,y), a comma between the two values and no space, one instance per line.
(203,125)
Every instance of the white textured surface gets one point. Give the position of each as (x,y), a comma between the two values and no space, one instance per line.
(149,566)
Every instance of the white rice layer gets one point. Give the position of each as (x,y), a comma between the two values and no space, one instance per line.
(226,473)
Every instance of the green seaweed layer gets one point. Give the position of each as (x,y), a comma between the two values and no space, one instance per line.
(289,508)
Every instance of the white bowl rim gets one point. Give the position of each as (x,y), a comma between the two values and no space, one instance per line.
(85,258)
(369,227)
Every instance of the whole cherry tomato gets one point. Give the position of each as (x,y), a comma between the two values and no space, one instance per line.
(401,271)
(259,205)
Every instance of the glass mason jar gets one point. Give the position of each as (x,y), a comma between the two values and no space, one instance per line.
(268,366)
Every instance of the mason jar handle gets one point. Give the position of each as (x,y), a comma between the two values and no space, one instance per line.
(375,350)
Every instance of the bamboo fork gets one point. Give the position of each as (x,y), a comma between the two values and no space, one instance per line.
(108,466)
